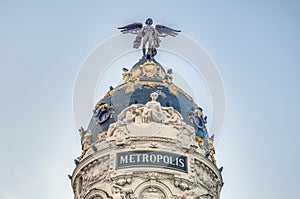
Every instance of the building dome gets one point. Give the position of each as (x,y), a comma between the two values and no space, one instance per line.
(147,139)
(144,78)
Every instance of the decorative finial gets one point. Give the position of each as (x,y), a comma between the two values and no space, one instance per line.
(148,35)
(76,162)
(70,177)
(221,169)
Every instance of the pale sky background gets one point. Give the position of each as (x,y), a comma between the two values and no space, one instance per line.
(255,44)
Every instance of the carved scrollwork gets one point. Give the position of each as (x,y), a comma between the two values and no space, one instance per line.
(183,184)
(120,192)
(153,176)
(149,69)
(205,176)
(122,180)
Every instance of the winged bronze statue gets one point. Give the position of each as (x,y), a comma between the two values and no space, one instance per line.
(148,35)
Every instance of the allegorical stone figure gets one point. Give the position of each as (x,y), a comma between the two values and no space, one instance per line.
(148,35)
(152,110)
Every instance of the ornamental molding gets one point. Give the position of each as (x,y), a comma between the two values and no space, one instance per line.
(149,70)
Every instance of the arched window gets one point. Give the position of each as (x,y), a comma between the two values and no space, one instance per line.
(96,194)
(147,190)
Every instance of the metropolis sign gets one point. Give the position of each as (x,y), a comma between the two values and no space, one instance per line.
(151,158)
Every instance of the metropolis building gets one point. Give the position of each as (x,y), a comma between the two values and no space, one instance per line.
(147,139)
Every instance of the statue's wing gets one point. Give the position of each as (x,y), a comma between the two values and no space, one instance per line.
(133,28)
(165,31)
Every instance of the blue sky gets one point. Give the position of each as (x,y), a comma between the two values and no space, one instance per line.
(255,45)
